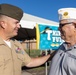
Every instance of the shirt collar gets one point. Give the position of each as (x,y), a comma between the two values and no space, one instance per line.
(70,48)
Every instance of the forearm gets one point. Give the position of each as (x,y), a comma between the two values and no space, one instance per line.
(38,61)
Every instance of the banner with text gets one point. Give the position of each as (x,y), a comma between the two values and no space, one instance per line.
(48,37)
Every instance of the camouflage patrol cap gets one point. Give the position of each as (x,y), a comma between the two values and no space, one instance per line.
(11,11)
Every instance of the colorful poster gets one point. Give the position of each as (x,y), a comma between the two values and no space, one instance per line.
(48,37)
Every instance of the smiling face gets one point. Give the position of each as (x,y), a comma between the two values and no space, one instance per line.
(9,26)
(12,27)
(67,30)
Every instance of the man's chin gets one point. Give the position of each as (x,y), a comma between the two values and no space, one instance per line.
(15,34)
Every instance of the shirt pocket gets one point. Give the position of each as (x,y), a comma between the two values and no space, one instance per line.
(1,61)
(1,65)
(4,63)
(7,60)
(20,57)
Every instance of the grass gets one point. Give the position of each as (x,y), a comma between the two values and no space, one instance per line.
(34,53)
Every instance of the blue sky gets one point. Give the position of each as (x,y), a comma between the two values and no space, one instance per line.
(42,8)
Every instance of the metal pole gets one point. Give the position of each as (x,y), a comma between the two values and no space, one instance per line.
(29,47)
(46,64)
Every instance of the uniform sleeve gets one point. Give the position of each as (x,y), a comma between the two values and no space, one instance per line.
(27,59)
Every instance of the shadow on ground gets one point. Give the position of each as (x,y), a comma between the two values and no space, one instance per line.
(41,70)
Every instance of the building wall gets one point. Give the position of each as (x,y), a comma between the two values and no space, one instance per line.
(29,44)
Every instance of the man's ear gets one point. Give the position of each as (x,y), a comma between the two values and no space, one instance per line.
(2,24)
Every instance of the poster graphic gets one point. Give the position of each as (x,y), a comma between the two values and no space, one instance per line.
(48,37)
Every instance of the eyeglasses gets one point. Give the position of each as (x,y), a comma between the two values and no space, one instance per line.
(61,25)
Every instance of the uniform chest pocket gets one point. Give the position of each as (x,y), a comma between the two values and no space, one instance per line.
(1,61)
(20,57)
(1,65)
(7,60)
(4,62)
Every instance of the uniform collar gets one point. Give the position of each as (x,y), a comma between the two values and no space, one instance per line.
(1,41)
(70,48)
